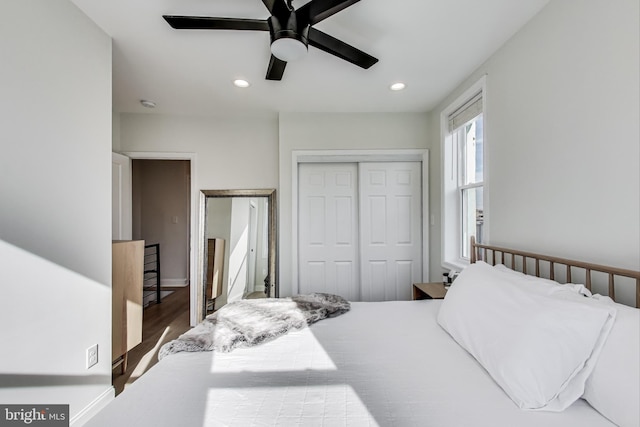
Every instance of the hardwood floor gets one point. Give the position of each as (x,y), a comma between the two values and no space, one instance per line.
(161,323)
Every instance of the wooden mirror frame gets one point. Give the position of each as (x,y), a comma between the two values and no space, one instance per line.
(270,194)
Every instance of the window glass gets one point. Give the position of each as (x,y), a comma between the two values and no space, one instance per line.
(472,161)
(472,217)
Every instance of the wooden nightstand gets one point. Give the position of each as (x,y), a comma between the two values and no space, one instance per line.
(428,291)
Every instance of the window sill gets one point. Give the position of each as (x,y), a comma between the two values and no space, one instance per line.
(455,265)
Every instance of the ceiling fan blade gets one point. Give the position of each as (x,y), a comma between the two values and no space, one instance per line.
(209,23)
(276,68)
(318,10)
(340,49)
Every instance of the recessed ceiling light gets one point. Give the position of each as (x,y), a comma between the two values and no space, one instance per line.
(397,86)
(147,103)
(241,83)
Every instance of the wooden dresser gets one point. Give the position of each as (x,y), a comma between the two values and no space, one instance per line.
(126,310)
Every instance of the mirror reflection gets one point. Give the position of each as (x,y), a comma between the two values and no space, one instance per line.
(239,246)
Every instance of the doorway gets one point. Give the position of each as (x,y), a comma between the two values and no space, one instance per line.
(191,158)
(161,217)
(154,203)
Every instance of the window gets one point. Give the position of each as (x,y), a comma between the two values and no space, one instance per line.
(469,138)
(463,169)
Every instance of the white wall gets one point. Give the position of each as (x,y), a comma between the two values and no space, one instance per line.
(55,192)
(231,152)
(115,129)
(562,134)
(317,131)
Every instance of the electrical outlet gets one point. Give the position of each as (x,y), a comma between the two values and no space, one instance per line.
(92,356)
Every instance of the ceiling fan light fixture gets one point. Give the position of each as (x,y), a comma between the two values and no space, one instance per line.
(288,49)
(288,42)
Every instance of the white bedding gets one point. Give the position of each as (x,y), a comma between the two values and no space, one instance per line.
(386,363)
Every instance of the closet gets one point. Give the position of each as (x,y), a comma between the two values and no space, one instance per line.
(360,229)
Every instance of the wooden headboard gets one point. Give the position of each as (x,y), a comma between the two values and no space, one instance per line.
(520,260)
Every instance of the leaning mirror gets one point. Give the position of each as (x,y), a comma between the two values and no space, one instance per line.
(237,247)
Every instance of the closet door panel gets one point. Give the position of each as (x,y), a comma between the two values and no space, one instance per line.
(316,272)
(375,288)
(391,224)
(377,208)
(327,229)
(405,273)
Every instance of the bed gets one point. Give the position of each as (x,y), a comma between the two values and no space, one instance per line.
(384,363)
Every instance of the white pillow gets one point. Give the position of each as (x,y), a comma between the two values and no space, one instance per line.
(527,278)
(546,286)
(613,388)
(539,345)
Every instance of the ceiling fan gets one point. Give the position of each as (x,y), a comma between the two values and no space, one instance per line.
(291,31)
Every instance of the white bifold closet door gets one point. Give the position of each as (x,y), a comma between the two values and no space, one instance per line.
(360,229)
(390,230)
(328,229)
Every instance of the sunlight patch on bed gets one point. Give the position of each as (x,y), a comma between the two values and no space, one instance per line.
(296,351)
(299,405)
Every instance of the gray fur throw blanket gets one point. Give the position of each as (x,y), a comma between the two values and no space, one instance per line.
(247,323)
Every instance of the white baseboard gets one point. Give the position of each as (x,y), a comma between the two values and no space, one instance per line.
(93,408)
(173,283)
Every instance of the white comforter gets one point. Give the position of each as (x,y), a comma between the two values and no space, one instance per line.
(386,364)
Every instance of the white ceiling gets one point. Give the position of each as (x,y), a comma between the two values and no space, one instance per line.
(431,45)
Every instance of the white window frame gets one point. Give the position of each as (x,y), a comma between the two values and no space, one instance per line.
(451,202)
